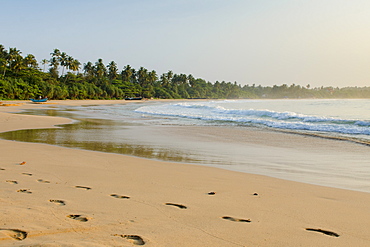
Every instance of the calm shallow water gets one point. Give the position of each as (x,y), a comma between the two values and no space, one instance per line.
(131,129)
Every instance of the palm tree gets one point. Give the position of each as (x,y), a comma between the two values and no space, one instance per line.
(169,76)
(63,59)
(112,70)
(3,64)
(69,62)
(163,80)
(152,77)
(14,59)
(13,54)
(3,52)
(44,62)
(88,69)
(191,80)
(100,68)
(74,65)
(3,58)
(166,79)
(126,73)
(17,64)
(142,76)
(55,53)
(54,63)
(30,61)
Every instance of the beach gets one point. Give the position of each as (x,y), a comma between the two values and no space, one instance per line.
(57,196)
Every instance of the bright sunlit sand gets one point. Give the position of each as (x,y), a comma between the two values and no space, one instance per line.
(55,196)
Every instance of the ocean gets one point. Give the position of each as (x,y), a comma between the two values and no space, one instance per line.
(213,133)
(341,118)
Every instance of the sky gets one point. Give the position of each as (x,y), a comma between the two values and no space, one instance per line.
(262,42)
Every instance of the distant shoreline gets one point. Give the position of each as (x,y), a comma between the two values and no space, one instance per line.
(174,144)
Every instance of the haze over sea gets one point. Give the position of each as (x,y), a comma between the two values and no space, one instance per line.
(213,133)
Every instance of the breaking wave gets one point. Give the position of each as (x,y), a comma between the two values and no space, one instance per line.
(213,111)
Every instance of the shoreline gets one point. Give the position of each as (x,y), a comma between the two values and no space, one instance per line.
(290,156)
(277,209)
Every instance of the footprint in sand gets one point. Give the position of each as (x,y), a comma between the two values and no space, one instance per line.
(120,197)
(2,169)
(135,239)
(82,187)
(24,191)
(329,233)
(58,202)
(78,217)
(211,193)
(27,174)
(15,233)
(43,181)
(11,181)
(176,205)
(235,219)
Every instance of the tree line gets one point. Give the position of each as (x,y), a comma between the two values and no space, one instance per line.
(64,77)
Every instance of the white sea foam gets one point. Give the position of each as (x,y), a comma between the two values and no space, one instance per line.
(234,112)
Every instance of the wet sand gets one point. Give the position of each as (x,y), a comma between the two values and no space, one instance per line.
(67,197)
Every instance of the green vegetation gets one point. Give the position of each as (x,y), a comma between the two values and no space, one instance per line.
(61,77)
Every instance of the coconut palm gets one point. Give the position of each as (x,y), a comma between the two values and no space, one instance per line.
(17,64)
(88,69)
(100,69)
(152,77)
(13,54)
(54,64)
(30,61)
(142,76)
(55,53)
(74,65)
(112,70)
(166,79)
(126,73)
(63,59)
(3,52)
(170,75)
(14,59)
(3,64)
(44,62)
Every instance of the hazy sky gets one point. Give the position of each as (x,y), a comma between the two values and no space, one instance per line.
(267,42)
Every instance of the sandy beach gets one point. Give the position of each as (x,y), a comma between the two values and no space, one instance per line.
(55,196)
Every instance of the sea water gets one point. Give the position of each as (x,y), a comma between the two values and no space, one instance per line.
(145,129)
(346,118)
(341,119)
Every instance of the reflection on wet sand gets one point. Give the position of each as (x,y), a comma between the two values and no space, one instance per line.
(87,134)
(245,149)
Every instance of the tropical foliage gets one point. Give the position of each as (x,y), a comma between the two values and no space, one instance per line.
(64,77)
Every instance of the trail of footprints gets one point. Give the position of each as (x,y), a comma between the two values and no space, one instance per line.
(20,235)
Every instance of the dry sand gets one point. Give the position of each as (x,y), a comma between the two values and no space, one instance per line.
(68,197)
